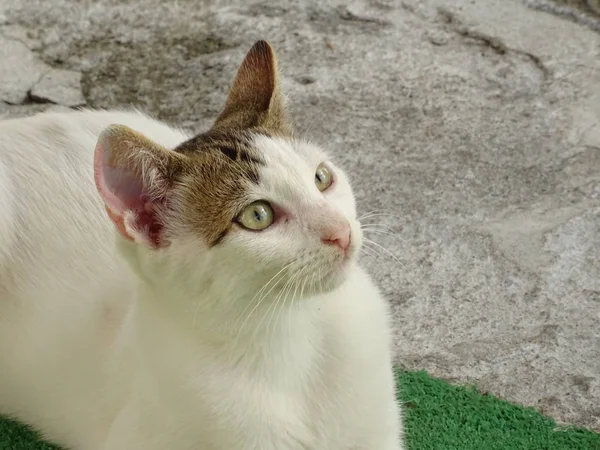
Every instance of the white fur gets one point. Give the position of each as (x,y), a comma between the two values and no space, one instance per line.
(183,355)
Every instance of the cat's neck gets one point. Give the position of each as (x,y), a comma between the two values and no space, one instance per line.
(222,320)
(282,338)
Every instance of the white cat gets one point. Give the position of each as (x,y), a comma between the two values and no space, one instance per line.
(231,313)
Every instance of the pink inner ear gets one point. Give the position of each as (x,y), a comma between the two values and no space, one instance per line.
(127,204)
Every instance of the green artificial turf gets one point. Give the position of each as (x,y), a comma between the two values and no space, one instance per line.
(14,436)
(438,416)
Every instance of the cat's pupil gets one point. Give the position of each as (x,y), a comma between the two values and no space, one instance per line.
(257,215)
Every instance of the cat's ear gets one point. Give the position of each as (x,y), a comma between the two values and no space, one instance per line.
(134,176)
(255,99)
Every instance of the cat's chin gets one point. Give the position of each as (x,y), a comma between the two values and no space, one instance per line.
(336,276)
(332,283)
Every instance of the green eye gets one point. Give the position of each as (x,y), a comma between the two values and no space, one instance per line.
(256,216)
(323,177)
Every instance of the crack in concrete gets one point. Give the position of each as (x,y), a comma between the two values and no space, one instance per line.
(32,99)
(28,79)
(41,70)
(15,39)
(347,15)
(565,12)
(29,99)
(496,44)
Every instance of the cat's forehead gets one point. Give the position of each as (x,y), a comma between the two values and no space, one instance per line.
(278,151)
(247,155)
(236,146)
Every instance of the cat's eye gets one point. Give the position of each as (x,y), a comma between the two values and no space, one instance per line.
(323,177)
(257,216)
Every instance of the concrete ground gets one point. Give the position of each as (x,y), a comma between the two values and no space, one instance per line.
(476,125)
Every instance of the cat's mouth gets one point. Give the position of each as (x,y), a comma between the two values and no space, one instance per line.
(334,277)
(335,271)
(355,244)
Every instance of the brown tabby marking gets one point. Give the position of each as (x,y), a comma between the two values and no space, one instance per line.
(223,158)
(220,169)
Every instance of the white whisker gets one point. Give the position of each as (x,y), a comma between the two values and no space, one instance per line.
(367,214)
(263,288)
(383,225)
(292,301)
(275,303)
(377,214)
(283,296)
(385,250)
(260,300)
(379,231)
(370,255)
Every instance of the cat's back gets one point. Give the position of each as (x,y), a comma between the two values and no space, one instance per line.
(63,289)
(53,148)
(51,217)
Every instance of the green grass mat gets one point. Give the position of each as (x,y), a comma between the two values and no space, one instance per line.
(438,416)
(444,417)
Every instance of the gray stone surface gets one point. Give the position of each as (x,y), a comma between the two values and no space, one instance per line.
(592,6)
(476,126)
(19,70)
(62,87)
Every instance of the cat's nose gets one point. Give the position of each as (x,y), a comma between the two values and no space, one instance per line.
(338,236)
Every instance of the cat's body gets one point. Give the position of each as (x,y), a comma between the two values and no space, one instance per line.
(156,350)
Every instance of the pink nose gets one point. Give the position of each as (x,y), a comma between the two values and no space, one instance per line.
(338,236)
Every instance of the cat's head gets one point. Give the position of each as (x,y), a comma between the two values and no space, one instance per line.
(242,205)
